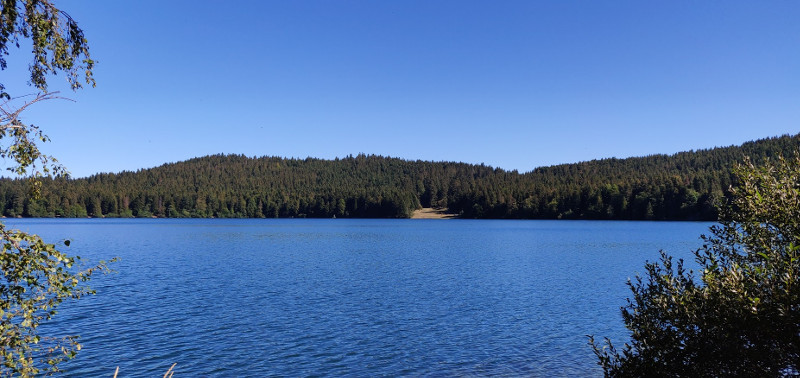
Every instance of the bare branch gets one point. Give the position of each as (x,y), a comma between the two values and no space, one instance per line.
(10,113)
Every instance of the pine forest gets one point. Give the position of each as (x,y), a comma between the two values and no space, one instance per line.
(683,186)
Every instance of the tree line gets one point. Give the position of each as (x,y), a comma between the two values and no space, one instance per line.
(682,186)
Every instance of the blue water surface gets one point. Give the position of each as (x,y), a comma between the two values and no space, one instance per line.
(340,297)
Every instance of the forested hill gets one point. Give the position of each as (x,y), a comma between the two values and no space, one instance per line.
(675,187)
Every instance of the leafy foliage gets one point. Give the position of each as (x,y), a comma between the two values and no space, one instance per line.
(742,317)
(36,277)
(22,148)
(58,44)
(659,187)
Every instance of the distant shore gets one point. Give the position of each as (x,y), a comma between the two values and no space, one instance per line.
(431,213)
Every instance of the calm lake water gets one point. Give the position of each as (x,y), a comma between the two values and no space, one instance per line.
(360,297)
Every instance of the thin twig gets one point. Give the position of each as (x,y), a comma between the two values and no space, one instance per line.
(169,372)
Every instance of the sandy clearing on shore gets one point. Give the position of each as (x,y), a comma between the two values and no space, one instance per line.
(431,213)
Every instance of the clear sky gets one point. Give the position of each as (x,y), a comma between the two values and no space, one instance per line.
(512,84)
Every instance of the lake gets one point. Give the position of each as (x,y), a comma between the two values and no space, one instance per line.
(343,297)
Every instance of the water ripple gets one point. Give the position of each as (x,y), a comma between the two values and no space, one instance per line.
(353,297)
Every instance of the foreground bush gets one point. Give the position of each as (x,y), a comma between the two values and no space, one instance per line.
(742,316)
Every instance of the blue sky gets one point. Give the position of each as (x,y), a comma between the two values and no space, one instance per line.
(512,84)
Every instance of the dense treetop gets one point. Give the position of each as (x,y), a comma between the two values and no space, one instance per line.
(682,186)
